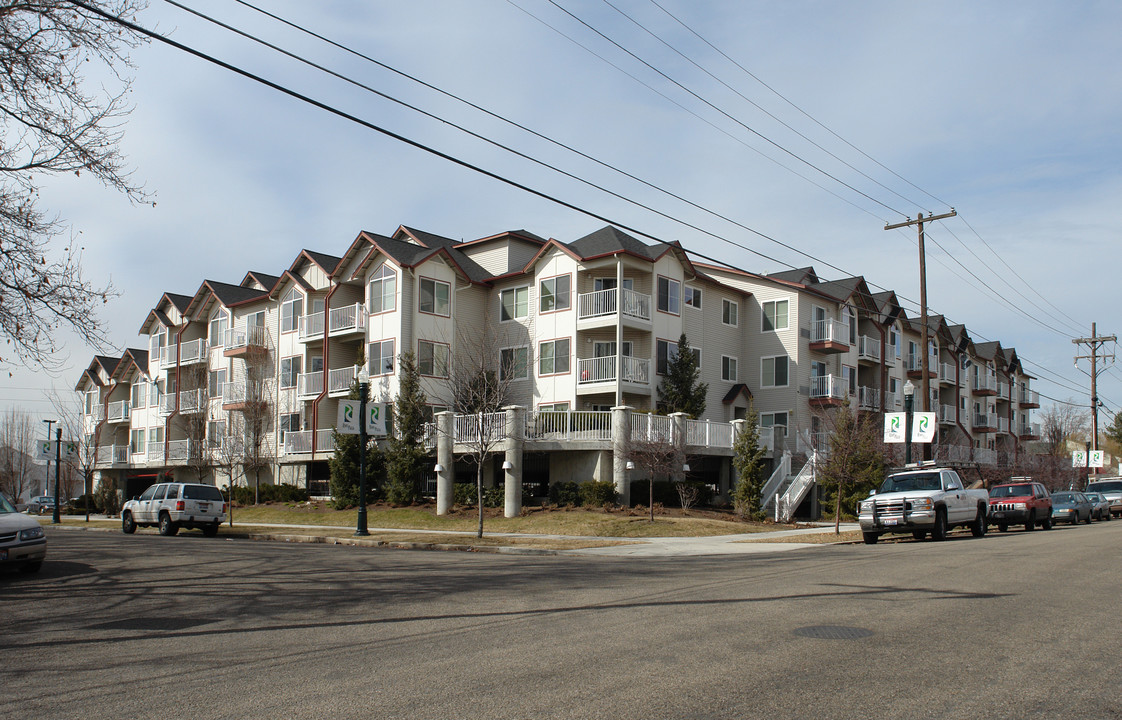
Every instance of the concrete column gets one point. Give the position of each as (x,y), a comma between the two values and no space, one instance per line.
(445,460)
(729,482)
(679,419)
(515,439)
(621,440)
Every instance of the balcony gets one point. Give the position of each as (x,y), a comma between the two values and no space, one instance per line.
(311,327)
(340,381)
(868,348)
(600,308)
(890,355)
(349,319)
(914,365)
(117,412)
(246,341)
(829,336)
(827,391)
(1003,425)
(1028,398)
(192,351)
(947,373)
(703,433)
(112,455)
(868,398)
(567,426)
(984,385)
(1028,431)
(591,371)
(243,395)
(985,456)
(892,400)
(946,415)
(985,422)
(309,384)
(1003,390)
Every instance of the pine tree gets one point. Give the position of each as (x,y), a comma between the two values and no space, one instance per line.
(748,459)
(1114,432)
(405,454)
(681,390)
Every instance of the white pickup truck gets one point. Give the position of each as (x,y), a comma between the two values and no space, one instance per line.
(921,501)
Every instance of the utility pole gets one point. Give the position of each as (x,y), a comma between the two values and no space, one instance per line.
(925,403)
(1094,344)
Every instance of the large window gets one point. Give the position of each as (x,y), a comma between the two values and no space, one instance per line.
(215,433)
(729,312)
(773,371)
(553,357)
(665,352)
(772,419)
(289,371)
(555,294)
(289,422)
(514,303)
(138,395)
(514,363)
(728,368)
(432,358)
(292,307)
(218,324)
(383,290)
(380,357)
(435,297)
(775,314)
(669,295)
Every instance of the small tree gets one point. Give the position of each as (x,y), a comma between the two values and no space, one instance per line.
(656,453)
(748,459)
(681,390)
(405,455)
(855,462)
(17,453)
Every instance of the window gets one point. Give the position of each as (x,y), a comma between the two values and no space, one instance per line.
(137,400)
(218,324)
(136,441)
(849,377)
(289,371)
(772,419)
(291,309)
(555,294)
(773,371)
(91,397)
(514,303)
(669,295)
(428,412)
(665,352)
(729,312)
(728,368)
(554,407)
(432,359)
(383,290)
(435,297)
(217,381)
(599,284)
(691,297)
(215,432)
(553,357)
(514,363)
(289,422)
(775,314)
(153,394)
(380,357)
(155,435)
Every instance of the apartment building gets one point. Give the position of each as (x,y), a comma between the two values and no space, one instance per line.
(577,328)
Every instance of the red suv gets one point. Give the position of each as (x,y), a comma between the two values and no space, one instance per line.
(1025,502)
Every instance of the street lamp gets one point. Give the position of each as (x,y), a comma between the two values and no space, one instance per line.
(363,390)
(909,396)
(47,477)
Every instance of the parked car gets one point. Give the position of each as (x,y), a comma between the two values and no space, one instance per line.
(1020,502)
(921,501)
(1112,489)
(41,504)
(1070,506)
(171,506)
(22,542)
(1100,506)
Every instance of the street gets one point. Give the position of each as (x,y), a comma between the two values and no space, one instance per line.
(1012,625)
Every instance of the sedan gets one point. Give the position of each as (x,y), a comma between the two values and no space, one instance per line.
(22,542)
(1071,506)
(1100,506)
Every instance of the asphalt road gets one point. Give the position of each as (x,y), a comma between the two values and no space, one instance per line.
(1013,625)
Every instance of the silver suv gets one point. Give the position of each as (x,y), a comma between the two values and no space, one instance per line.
(1112,491)
(171,506)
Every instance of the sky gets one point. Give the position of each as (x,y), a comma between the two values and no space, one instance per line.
(797,130)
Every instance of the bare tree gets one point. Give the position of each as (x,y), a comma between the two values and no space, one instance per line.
(855,462)
(17,453)
(653,449)
(228,449)
(255,418)
(53,124)
(1061,423)
(194,415)
(80,463)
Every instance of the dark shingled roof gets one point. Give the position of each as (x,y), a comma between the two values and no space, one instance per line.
(609,240)
(228,294)
(987,350)
(839,289)
(803,276)
(325,261)
(472,269)
(179,301)
(267,281)
(734,392)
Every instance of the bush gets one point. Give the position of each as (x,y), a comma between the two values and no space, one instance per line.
(400,492)
(664,493)
(565,493)
(598,494)
(701,493)
(494,497)
(270,493)
(106,498)
(463,494)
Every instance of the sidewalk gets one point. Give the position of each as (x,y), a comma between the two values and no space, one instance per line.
(762,542)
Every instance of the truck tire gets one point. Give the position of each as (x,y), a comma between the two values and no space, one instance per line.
(128,525)
(939,532)
(167,527)
(1046,523)
(1030,524)
(978,527)
(870,538)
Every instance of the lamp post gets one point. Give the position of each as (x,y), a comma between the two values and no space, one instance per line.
(57,518)
(909,396)
(363,390)
(47,477)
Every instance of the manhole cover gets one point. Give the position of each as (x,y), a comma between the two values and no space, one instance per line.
(833,632)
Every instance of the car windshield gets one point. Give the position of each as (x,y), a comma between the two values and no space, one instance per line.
(1063,498)
(1106,486)
(911,481)
(1093,497)
(202,492)
(5,506)
(1011,491)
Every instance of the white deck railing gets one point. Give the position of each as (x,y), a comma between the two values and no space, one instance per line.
(252,336)
(984,382)
(788,502)
(829,331)
(309,384)
(603,369)
(1029,397)
(827,386)
(868,398)
(479,429)
(603,302)
(651,428)
(704,433)
(566,426)
(117,411)
(311,326)
(350,318)
(868,348)
(340,380)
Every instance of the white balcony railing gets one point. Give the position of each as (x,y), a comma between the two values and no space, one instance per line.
(651,428)
(829,331)
(604,302)
(351,318)
(246,337)
(299,442)
(984,383)
(985,420)
(1003,390)
(568,425)
(117,411)
(603,369)
(827,386)
(947,373)
(868,398)
(703,433)
(309,384)
(477,430)
(868,348)
(985,456)
(1029,430)
(1029,397)
(112,455)
(340,380)
(946,414)
(890,356)
(1003,424)
(311,326)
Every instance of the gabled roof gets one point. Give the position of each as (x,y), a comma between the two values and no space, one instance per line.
(609,241)
(736,391)
(472,270)
(100,364)
(524,235)
(264,280)
(960,338)
(179,302)
(131,358)
(803,276)
(988,350)
(227,295)
(326,262)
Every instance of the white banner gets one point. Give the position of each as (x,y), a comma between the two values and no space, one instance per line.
(1096,458)
(347,422)
(47,449)
(1079,458)
(923,427)
(375,418)
(894,427)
